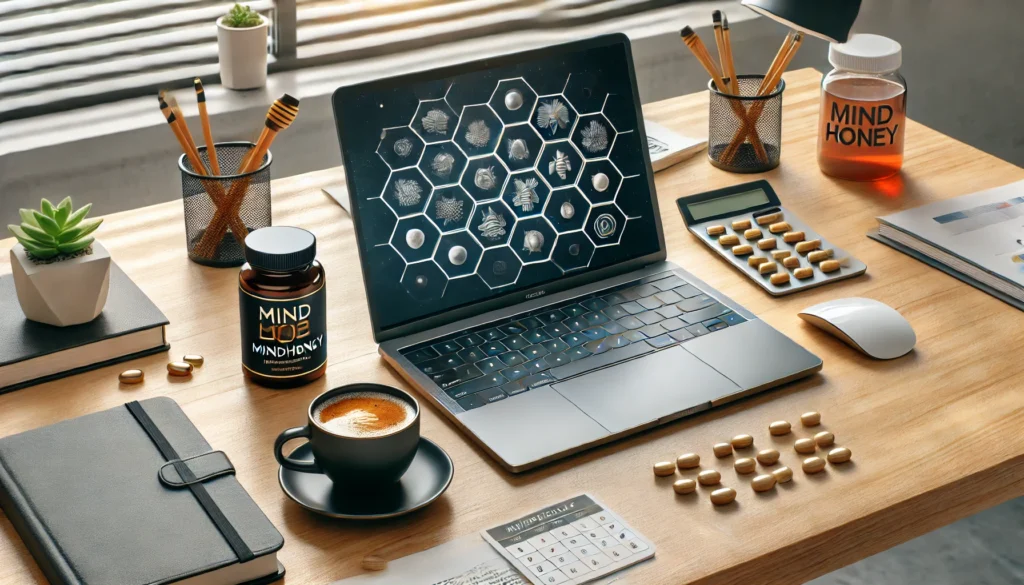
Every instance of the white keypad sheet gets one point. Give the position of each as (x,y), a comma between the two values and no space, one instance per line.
(572,542)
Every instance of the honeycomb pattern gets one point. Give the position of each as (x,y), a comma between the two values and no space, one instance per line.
(521,179)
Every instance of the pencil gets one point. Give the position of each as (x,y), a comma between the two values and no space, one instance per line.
(716,18)
(779,57)
(204,118)
(173,103)
(730,65)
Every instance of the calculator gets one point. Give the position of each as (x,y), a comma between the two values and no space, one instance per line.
(748,226)
(575,541)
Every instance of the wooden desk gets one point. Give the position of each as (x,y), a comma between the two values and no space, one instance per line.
(936,436)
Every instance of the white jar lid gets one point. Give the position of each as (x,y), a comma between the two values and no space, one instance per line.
(866,54)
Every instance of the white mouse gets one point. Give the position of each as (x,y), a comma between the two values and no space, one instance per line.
(870,326)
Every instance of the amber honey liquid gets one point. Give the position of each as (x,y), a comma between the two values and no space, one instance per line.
(860,129)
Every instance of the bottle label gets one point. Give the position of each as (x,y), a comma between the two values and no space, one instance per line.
(283,338)
(862,124)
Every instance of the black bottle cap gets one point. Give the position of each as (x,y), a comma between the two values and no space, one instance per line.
(280,248)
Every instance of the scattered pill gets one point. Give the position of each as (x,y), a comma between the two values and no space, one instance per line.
(752,234)
(741,224)
(756,261)
(820,255)
(768,457)
(745,465)
(131,377)
(763,483)
(781,254)
(791,262)
(780,427)
(195,359)
(684,486)
(813,464)
(778,228)
(803,273)
(729,240)
(793,237)
(811,419)
(722,450)
(742,441)
(180,369)
(829,266)
(721,497)
(688,461)
(766,244)
(808,245)
(742,250)
(716,230)
(804,446)
(664,468)
(779,279)
(824,439)
(839,455)
(783,475)
(710,477)
(768,268)
(770,218)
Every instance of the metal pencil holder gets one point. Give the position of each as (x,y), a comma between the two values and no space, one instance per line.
(221,210)
(731,146)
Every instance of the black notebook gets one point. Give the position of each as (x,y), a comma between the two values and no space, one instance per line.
(134,495)
(130,326)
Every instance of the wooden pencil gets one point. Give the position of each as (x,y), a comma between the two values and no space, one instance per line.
(730,65)
(204,119)
(716,18)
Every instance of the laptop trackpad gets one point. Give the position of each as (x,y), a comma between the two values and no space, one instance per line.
(646,389)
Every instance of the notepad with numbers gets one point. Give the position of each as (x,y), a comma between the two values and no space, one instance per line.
(575,541)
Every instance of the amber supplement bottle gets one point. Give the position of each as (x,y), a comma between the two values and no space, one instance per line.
(863,110)
(282,300)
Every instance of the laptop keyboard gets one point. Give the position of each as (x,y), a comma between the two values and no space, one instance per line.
(506,358)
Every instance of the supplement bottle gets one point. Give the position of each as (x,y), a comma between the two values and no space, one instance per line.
(863,110)
(282,301)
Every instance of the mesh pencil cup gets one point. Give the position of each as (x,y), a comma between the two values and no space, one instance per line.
(731,145)
(221,210)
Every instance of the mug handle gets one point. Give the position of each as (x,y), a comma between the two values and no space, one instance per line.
(289,463)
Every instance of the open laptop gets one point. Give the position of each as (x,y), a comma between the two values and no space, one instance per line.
(514,260)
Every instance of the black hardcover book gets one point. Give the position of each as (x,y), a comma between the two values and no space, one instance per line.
(31,353)
(134,496)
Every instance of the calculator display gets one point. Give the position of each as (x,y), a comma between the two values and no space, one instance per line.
(727,204)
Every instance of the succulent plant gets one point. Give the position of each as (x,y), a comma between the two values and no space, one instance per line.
(242,17)
(55,230)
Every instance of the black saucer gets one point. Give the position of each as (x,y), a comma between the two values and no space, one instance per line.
(428,477)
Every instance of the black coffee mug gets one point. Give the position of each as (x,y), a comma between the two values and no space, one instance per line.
(355,462)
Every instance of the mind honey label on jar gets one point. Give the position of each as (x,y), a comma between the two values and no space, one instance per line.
(283,338)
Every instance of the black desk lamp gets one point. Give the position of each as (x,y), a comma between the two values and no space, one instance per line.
(826,19)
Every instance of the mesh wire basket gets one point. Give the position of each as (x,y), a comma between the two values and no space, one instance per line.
(215,226)
(731,146)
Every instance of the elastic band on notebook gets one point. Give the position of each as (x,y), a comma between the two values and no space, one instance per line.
(223,525)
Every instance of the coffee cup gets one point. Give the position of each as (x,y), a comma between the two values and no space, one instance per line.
(362,436)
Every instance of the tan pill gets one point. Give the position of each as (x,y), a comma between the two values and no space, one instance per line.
(755,261)
(804,446)
(803,273)
(194,358)
(829,266)
(779,278)
(820,255)
(722,497)
(839,455)
(664,468)
(684,486)
(813,464)
(791,262)
(780,427)
(742,250)
(763,483)
(179,369)
(131,377)
(770,218)
(781,254)
(778,228)
(793,237)
(824,439)
(811,419)
(807,246)
(745,465)
(766,244)
(722,450)
(752,234)
(716,230)
(709,477)
(768,268)
(742,441)
(783,475)
(729,240)
(768,457)
(741,224)
(688,461)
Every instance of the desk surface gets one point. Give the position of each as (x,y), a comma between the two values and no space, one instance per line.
(935,435)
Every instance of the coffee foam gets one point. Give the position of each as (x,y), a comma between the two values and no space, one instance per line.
(370,414)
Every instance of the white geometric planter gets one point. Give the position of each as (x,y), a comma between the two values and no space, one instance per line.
(68,292)
(243,55)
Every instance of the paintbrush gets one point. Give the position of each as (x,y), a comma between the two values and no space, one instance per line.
(204,118)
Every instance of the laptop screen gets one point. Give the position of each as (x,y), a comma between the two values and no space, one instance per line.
(496,177)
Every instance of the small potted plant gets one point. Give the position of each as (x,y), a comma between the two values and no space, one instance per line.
(242,48)
(61,273)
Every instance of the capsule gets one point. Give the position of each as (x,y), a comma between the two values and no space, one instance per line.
(684,486)
(768,457)
(808,245)
(179,369)
(752,234)
(804,446)
(742,250)
(745,465)
(729,240)
(781,254)
(688,461)
(770,218)
(839,455)
(820,255)
(803,273)
(780,227)
(793,237)
(755,261)
(664,468)
(811,419)
(791,262)
(829,266)
(709,477)
(767,243)
(763,483)
(195,359)
(742,441)
(722,450)
(780,427)
(783,474)
(741,224)
(716,230)
(779,278)
(824,439)
(768,268)
(723,496)
(131,377)
(813,464)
